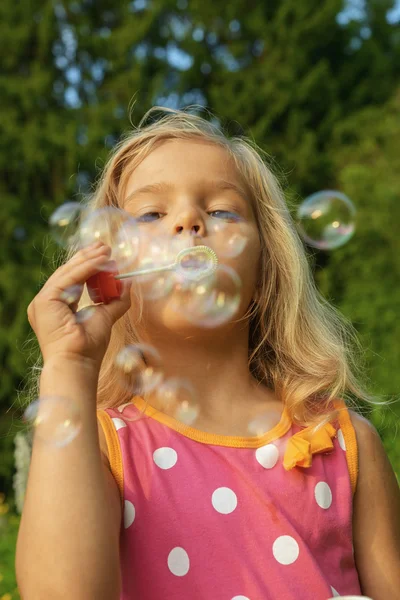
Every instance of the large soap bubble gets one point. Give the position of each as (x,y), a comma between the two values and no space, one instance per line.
(210,302)
(139,368)
(65,223)
(56,420)
(326,219)
(116,228)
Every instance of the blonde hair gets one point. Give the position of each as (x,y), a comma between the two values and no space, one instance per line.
(299,345)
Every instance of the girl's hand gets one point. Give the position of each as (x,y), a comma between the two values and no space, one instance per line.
(54,321)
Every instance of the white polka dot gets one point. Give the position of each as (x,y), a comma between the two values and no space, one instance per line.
(267,456)
(240,598)
(178,562)
(118,423)
(340,437)
(165,457)
(334,592)
(224,500)
(129,514)
(285,550)
(323,494)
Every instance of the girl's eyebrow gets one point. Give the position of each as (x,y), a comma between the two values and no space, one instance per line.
(166,186)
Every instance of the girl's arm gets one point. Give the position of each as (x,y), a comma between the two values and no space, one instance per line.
(376,516)
(68,540)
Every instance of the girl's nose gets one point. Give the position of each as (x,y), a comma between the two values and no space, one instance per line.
(190,222)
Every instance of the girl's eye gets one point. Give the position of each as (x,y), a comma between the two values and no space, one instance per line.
(225,214)
(148,217)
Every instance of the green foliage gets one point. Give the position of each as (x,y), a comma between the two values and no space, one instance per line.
(317,92)
(9,524)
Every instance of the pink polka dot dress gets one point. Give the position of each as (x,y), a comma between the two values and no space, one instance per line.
(214,517)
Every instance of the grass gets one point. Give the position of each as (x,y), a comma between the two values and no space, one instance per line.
(9,524)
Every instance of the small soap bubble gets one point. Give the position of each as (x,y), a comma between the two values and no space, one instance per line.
(326,219)
(56,420)
(139,368)
(261,424)
(176,397)
(210,302)
(85,313)
(115,228)
(71,294)
(65,222)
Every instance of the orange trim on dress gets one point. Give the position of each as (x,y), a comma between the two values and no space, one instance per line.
(114,451)
(299,450)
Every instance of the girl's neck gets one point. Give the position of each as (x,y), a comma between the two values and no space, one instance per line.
(217,368)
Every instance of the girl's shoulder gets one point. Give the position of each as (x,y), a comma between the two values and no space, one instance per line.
(376,513)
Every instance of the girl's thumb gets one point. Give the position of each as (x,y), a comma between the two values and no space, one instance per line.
(118,306)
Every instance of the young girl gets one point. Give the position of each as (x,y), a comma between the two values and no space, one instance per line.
(140,505)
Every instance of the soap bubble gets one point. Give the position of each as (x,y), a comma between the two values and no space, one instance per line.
(139,368)
(71,296)
(228,238)
(65,222)
(262,423)
(115,228)
(56,420)
(176,397)
(210,302)
(85,313)
(326,219)
(154,253)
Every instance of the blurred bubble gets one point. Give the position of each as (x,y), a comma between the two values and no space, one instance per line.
(176,397)
(228,238)
(210,302)
(85,313)
(116,228)
(64,223)
(261,424)
(139,368)
(71,294)
(154,253)
(326,219)
(56,420)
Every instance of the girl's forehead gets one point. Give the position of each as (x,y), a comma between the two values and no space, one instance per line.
(185,162)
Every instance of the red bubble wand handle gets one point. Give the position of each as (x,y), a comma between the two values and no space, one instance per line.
(106,285)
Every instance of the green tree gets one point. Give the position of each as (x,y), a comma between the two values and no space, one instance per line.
(289,72)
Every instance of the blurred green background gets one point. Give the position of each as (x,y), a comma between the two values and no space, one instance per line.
(316,84)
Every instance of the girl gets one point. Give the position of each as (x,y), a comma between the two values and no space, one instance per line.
(152,508)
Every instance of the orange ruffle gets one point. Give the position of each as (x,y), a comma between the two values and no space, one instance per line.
(303,445)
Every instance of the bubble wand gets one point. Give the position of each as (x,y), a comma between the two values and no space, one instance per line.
(105,285)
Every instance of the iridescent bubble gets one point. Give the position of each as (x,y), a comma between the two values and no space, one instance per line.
(154,253)
(210,302)
(228,238)
(65,222)
(176,397)
(326,219)
(139,368)
(56,420)
(116,228)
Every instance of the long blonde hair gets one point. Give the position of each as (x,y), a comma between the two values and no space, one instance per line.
(299,345)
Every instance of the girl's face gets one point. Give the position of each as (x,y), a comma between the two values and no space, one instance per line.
(198,197)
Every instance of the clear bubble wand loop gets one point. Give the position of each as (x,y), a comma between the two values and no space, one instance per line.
(210,266)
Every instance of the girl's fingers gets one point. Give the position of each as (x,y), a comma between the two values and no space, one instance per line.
(78,272)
